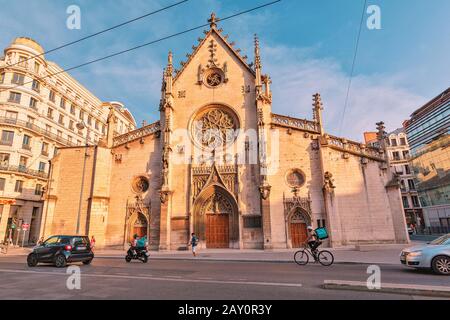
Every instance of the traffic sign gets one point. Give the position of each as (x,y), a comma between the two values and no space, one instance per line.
(25,226)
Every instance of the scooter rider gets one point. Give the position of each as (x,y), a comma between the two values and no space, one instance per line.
(134,245)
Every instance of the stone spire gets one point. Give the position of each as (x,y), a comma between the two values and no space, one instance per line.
(317,111)
(169,74)
(381,137)
(257,63)
(213,21)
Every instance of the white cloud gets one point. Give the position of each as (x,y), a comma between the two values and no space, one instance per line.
(297,76)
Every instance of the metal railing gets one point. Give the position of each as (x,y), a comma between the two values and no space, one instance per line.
(35,128)
(24,170)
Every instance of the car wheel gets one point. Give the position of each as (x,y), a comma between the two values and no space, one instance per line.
(87,262)
(441,265)
(32,260)
(60,261)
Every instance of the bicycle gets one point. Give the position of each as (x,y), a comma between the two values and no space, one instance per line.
(324,257)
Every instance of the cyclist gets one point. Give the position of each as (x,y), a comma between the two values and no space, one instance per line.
(313,240)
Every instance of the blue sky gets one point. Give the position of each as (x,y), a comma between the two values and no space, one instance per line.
(307,47)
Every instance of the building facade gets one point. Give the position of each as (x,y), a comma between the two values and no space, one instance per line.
(399,154)
(428,132)
(221,164)
(41,109)
(398,151)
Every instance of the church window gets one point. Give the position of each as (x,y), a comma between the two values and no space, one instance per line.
(295,178)
(140,185)
(214,78)
(215,127)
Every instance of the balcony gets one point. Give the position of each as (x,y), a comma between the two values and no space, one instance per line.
(6,143)
(44,153)
(34,128)
(26,147)
(23,170)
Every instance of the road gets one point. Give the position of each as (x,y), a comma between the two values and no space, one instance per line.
(113,278)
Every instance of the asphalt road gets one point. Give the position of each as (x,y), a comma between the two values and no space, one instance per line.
(109,278)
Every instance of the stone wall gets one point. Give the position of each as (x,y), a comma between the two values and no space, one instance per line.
(360,210)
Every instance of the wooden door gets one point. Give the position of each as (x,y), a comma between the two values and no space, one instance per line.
(217,231)
(298,234)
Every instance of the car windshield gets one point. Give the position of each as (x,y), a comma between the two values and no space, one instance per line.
(441,240)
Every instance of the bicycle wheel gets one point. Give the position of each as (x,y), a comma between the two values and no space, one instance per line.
(301,257)
(326,258)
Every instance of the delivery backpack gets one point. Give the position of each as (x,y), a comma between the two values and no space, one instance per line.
(322,233)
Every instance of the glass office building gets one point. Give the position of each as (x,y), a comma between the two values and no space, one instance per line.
(428,133)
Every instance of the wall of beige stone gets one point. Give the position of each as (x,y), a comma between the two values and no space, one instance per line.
(360,209)
(65,189)
(295,152)
(138,159)
(198,96)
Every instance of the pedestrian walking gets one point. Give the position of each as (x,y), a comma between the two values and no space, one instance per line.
(193,243)
(92,243)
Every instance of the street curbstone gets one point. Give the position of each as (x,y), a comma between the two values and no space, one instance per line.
(407,289)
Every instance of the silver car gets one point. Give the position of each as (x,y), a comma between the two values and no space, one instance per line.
(434,255)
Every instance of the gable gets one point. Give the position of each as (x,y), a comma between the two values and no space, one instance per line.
(213,51)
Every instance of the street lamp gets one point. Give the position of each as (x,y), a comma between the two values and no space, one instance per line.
(81,126)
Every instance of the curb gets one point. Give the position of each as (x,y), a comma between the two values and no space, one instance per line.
(408,289)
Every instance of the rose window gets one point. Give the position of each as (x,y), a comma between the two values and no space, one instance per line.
(215,128)
(214,79)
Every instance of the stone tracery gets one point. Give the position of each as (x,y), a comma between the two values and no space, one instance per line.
(214,128)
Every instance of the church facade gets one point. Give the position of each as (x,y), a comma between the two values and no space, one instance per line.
(221,164)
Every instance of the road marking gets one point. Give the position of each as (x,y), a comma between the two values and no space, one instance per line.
(274,284)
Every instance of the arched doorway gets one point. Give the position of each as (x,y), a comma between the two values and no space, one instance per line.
(298,223)
(139,227)
(216,218)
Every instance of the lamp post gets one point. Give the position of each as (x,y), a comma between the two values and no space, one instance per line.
(81,126)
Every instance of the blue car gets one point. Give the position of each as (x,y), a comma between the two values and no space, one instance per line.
(434,255)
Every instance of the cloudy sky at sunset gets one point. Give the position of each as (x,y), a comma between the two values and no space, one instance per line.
(307,47)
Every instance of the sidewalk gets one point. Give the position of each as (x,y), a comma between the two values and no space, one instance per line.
(388,255)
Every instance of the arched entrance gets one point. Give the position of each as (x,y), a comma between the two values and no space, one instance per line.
(139,227)
(137,221)
(216,218)
(298,222)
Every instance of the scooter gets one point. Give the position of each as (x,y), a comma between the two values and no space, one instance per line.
(139,253)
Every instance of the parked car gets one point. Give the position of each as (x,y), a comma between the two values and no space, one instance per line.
(60,250)
(434,255)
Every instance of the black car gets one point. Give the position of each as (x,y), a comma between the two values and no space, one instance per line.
(60,250)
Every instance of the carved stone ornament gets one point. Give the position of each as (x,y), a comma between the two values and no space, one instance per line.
(164,196)
(213,77)
(328,182)
(265,191)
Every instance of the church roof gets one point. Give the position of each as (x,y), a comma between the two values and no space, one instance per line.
(213,30)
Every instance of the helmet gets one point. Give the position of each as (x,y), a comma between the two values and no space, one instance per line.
(310,228)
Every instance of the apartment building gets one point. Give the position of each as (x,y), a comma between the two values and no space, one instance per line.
(42,109)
